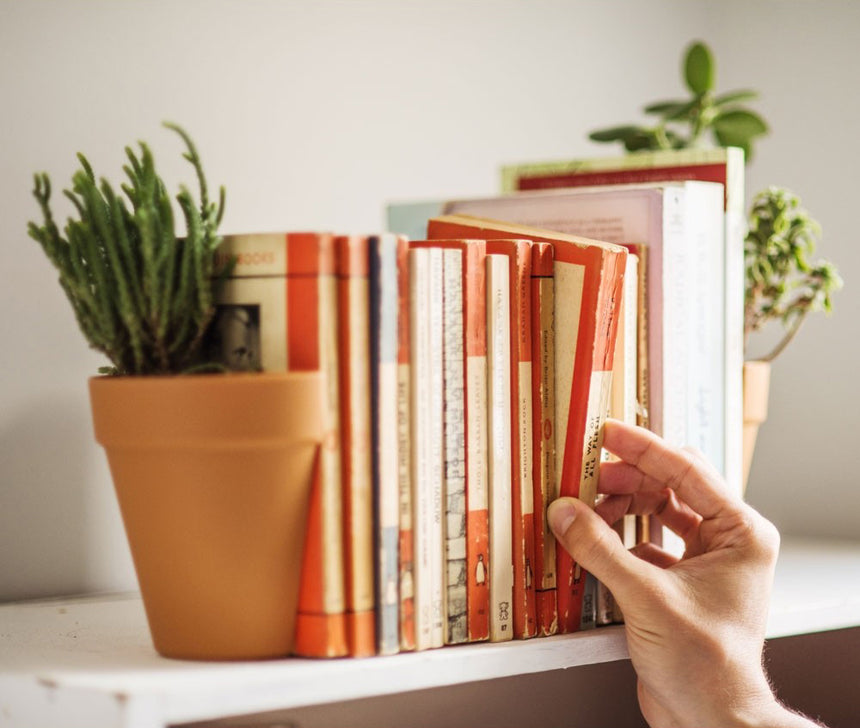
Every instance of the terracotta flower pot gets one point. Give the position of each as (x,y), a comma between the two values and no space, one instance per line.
(756,387)
(213,475)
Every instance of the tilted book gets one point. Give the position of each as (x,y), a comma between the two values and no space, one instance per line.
(354,353)
(588,281)
(385,443)
(278,311)
(721,165)
(474,383)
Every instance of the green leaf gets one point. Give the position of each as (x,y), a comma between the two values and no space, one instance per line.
(615,133)
(699,68)
(740,123)
(732,97)
(665,107)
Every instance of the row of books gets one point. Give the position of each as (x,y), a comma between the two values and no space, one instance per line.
(469,372)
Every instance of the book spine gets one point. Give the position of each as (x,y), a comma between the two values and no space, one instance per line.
(477,526)
(437,451)
(404,452)
(384,456)
(427,433)
(456,624)
(500,460)
(354,345)
(522,496)
(543,434)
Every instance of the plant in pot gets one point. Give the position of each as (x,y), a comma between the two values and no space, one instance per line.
(212,469)
(781,283)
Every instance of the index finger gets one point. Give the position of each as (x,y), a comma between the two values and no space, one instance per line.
(695,483)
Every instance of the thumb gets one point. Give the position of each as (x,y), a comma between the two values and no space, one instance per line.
(597,548)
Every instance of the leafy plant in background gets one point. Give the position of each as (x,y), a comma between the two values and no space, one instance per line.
(685,123)
(141,295)
(781,283)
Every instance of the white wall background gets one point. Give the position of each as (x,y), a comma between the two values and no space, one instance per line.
(314,114)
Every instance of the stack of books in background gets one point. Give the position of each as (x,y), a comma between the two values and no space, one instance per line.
(472,356)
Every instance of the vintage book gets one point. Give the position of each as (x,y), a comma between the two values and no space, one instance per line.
(474,332)
(501,574)
(279,312)
(588,280)
(426,280)
(406,546)
(354,353)
(623,406)
(522,495)
(721,165)
(385,443)
(544,482)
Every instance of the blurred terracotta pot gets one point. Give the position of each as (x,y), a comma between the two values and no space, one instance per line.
(756,390)
(213,475)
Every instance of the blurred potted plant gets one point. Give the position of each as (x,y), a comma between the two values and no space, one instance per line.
(781,285)
(212,471)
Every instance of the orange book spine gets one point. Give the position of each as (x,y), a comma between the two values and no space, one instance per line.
(354,353)
(544,482)
(312,326)
(404,453)
(522,495)
(477,499)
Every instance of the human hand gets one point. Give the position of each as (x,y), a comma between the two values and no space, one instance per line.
(695,626)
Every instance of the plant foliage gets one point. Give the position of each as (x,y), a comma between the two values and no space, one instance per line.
(686,123)
(140,294)
(781,283)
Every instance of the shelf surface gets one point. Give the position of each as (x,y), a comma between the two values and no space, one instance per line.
(89,661)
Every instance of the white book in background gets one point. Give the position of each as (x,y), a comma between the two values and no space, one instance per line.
(499,427)
(456,622)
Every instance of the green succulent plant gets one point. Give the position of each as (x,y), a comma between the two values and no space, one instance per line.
(782,284)
(686,123)
(141,294)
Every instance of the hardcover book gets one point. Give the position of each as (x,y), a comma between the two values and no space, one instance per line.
(721,165)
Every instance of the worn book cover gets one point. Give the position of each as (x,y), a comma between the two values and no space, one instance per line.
(278,311)
(588,281)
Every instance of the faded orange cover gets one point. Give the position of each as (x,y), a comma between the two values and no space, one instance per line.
(354,355)
(543,435)
(311,324)
(477,515)
(588,281)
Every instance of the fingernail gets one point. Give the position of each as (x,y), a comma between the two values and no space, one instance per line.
(560,515)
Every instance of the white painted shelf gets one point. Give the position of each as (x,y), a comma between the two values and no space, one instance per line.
(88,662)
